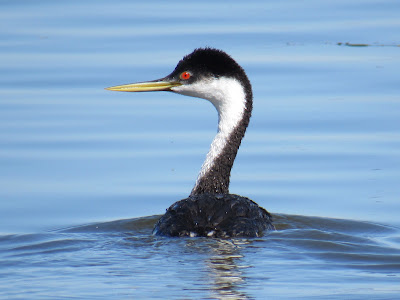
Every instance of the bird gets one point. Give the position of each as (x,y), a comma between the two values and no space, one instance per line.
(210,210)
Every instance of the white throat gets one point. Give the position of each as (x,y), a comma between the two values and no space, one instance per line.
(229,98)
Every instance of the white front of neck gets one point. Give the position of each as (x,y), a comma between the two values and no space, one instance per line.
(229,98)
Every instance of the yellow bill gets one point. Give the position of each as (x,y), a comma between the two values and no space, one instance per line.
(145,86)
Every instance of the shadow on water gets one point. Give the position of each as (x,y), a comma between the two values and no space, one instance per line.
(219,268)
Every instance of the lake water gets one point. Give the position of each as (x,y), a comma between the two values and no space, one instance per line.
(85,173)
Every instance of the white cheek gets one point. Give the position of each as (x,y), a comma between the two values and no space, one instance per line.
(226,94)
(199,90)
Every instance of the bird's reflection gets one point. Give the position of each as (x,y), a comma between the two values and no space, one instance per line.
(225,268)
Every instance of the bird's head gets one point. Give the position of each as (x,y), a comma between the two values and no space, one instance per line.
(205,73)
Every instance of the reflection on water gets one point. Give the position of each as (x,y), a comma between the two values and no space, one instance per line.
(225,268)
(206,267)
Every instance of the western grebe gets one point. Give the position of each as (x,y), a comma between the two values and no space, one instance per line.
(210,210)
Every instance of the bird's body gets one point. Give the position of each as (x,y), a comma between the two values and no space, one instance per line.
(210,210)
(214,215)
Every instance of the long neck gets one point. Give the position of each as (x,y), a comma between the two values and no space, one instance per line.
(234,114)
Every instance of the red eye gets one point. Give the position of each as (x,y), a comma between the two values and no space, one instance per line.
(185,75)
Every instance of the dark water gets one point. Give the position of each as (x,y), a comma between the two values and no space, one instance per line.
(323,141)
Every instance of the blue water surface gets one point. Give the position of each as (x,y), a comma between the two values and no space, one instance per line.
(321,152)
